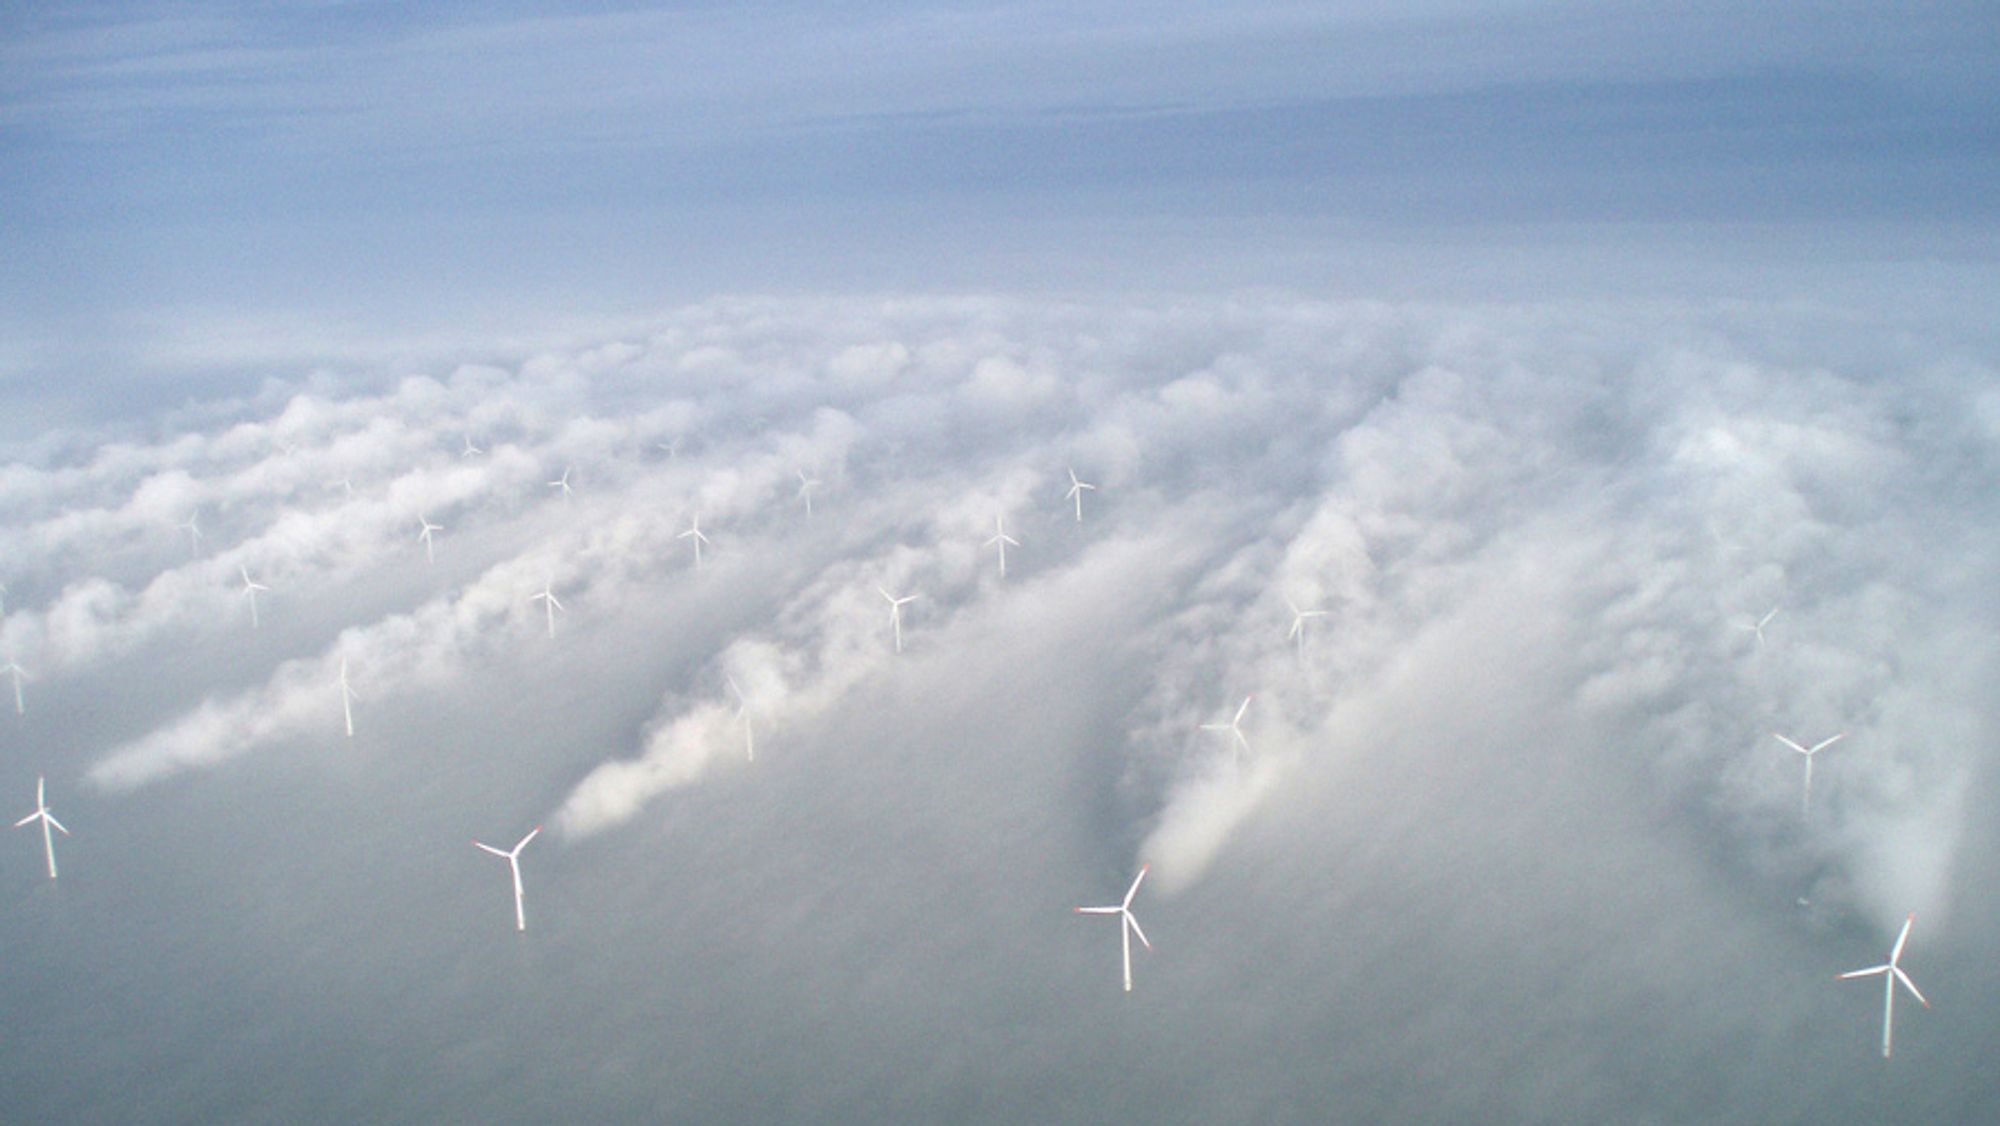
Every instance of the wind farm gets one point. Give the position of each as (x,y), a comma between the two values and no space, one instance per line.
(1481,514)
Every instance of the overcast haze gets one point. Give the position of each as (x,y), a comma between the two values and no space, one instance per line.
(1547,351)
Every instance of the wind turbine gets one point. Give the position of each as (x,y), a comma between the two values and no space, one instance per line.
(47,819)
(562,483)
(1891,974)
(513,858)
(1805,804)
(470,450)
(193,529)
(14,669)
(671,449)
(425,535)
(345,484)
(1076,488)
(896,614)
(1298,631)
(806,487)
(346,698)
(743,713)
(1757,627)
(1128,925)
(3,598)
(1001,539)
(694,532)
(251,587)
(1234,727)
(548,595)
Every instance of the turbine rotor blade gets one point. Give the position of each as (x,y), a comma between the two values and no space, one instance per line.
(1910,985)
(1133,922)
(1869,972)
(1896,951)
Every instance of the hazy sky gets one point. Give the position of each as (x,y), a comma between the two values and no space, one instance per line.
(1546,348)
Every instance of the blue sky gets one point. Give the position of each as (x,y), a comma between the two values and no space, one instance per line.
(393,171)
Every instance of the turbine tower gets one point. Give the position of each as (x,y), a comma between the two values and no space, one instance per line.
(806,487)
(346,698)
(896,614)
(513,859)
(743,713)
(1891,974)
(1001,539)
(548,595)
(425,535)
(18,673)
(1127,926)
(48,821)
(1076,490)
(1298,632)
(1234,728)
(1805,803)
(694,533)
(250,588)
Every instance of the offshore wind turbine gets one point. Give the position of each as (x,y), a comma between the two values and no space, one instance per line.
(14,669)
(694,533)
(425,535)
(48,821)
(1757,627)
(548,595)
(1234,727)
(1891,974)
(513,859)
(896,614)
(1298,631)
(743,713)
(1127,925)
(806,487)
(251,587)
(1001,539)
(346,698)
(562,483)
(1076,489)
(1805,803)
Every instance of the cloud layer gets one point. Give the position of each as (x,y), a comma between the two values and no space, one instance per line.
(1537,536)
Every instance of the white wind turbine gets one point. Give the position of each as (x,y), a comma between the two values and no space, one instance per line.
(345,484)
(1891,974)
(470,450)
(193,529)
(743,713)
(1757,627)
(346,698)
(694,533)
(48,821)
(15,670)
(1298,631)
(1234,728)
(1001,539)
(513,859)
(548,596)
(806,487)
(562,483)
(430,556)
(1076,490)
(1805,803)
(250,588)
(1127,926)
(896,614)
